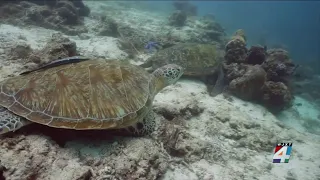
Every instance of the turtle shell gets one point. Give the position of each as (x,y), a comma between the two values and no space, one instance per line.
(93,94)
(197,59)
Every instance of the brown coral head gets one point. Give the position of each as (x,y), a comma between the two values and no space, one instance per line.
(256,55)
(276,95)
(240,33)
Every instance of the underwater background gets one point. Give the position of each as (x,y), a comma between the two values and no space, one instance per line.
(293,24)
(251,82)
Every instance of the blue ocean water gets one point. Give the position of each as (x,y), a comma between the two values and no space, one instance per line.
(293,24)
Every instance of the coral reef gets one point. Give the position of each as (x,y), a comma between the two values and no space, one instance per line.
(191,137)
(211,30)
(236,51)
(185,6)
(22,158)
(57,47)
(249,85)
(276,95)
(196,136)
(134,35)
(256,55)
(178,18)
(107,27)
(133,41)
(278,65)
(19,51)
(257,74)
(240,34)
(65,16)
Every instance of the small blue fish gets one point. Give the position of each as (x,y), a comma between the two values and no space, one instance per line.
(151,46)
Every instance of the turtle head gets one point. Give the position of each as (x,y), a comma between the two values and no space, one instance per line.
(167,75)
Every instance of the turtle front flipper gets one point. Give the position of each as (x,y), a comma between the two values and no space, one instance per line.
(144,127)
(10,122)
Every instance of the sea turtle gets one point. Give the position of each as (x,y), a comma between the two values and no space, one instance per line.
(203,61)
(82,94)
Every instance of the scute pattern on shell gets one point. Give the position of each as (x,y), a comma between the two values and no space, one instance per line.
(197,59)
(93,94)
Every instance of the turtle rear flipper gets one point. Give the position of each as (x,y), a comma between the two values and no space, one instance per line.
(10,122)
(219,85)
(58,62)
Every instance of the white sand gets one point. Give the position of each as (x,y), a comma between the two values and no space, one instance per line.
(304,162)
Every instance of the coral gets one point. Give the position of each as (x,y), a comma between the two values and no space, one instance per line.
(56,48)
(276,95)
(178,18)
(132,159)
(204,31)
(133,38)
(213,25)
(256,55)
(233,71)
(20,51)
(65,16)
(249,85)
(67,12)
(187,112)
(168,40)
(236,51)
(278,66)
(28,157)
(208,16)
(258,82)
(83,10)
(240,34)
(107,27)
(211,30)
(185,6)
(133,41)
(213,35)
